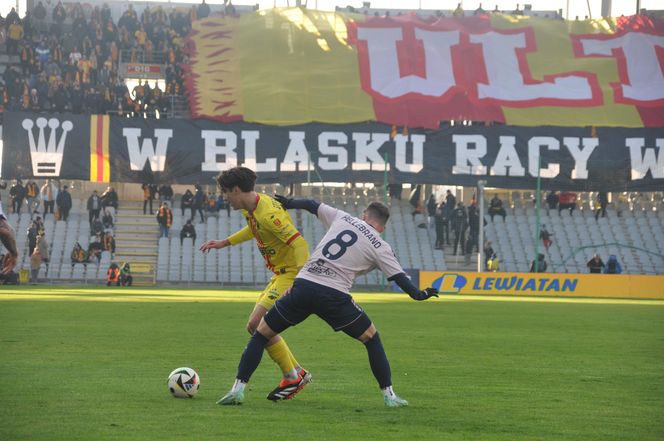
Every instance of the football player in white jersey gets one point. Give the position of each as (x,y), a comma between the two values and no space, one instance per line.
(351,247)
(8,238)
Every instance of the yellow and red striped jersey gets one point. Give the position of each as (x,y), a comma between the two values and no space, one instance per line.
(278,240)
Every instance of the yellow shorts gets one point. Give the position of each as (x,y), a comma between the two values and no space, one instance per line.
(276,287)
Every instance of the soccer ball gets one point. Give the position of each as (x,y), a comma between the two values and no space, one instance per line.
(184,382)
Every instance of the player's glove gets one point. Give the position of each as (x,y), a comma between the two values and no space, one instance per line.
(283,200)
(425,294)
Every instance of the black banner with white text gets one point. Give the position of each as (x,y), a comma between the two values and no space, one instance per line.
(101,148)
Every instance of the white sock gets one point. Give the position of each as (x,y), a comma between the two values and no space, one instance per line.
(291,375)
(388,392)
(238,386)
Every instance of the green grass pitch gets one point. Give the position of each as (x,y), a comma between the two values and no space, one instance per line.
(91,364)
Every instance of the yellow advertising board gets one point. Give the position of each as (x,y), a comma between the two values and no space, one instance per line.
(558,285)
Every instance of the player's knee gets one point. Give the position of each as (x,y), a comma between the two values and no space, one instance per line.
(368,334)
(264,329)
(361,329)
(255,319)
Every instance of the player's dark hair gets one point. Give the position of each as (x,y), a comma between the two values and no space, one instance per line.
(242,177)
(378,211)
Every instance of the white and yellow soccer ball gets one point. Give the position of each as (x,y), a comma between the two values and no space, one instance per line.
(184,382)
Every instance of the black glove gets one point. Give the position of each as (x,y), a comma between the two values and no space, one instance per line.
(425,294)
(283,200)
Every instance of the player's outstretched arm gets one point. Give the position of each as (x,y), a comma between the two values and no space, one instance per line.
(238,237)
(305,204)
(214,245)
(8,238)
(407,286)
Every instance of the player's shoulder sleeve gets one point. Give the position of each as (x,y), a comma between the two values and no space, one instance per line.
(328,214)
(387,261)
(271,215)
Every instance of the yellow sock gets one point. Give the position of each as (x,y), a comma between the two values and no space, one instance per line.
(292,359)
(281,354)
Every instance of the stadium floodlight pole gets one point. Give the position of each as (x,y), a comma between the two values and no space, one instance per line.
(606,8)
(538,200)
(385,179)
(385,182)
(480,237)
(309,170)
(309,220)
(567,10)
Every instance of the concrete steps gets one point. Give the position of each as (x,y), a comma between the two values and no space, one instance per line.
(137,240)
(459,263)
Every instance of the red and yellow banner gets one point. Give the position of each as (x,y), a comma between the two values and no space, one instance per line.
(294,66)
(100,169)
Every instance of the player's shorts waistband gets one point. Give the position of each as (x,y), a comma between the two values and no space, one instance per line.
(285,270)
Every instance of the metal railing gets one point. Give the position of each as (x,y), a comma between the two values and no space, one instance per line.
(177,107)
(143,57)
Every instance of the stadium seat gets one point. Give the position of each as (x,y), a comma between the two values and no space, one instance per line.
(261,277)
(174,273)
(78,272)
(235,275)
(65,271)
(211,275)
(162,274)
(199,275)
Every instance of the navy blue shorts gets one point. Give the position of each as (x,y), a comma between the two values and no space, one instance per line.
(337,308)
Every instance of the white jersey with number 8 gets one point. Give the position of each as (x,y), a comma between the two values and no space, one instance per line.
(350,248)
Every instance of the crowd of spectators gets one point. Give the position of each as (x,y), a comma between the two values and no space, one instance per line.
(188,231)
(115,275)
(99,242)
(51,194)
(596,265)
(164,219)
(450,216)
(69,58)
(199,202)
(565,200)
(56,199)
(496,207)
(479,11)
(539,265)
(457,226)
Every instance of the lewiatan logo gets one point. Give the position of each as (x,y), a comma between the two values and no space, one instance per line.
(449,283)
(521,284)
(454,283)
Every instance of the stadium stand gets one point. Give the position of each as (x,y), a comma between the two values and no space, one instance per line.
(366,9)
(78,63)
(635,236)
(633,229)
(634,232)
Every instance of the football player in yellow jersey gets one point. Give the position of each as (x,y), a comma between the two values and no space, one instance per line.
(285,251)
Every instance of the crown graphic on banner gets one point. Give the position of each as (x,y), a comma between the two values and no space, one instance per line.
(46,156)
